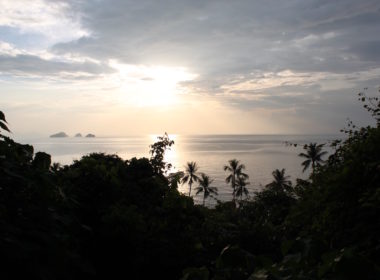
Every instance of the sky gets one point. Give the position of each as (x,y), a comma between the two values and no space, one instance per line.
(121,67)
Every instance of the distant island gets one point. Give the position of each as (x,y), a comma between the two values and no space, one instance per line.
(59,135)
(63,135)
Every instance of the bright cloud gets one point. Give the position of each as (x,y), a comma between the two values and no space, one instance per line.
(52,19)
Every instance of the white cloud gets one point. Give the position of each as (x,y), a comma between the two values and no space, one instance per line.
(49,18)
(9,49)
(311,39)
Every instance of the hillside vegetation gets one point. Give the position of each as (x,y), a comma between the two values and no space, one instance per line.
(103,217)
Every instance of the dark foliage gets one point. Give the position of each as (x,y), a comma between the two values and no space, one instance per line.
(157,151)
(105,218)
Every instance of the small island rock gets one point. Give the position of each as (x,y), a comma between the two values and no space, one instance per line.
(59,135)
(90,135)
(78,135)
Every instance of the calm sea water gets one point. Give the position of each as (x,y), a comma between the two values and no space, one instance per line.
(261,154)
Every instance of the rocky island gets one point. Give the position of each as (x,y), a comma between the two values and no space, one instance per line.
(90,135)
(59,135)
(78,135)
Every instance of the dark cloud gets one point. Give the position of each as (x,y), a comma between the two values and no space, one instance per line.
(221,38)
(367,51)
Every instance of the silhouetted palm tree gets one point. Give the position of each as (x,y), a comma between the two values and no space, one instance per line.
(204,186)
(236,170)
(3,122)
(190,174)
(313,156)
(280,182)
(240,187)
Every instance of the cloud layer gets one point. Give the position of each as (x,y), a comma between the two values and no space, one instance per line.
(277,61)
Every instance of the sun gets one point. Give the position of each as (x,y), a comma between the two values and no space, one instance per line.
(151,86)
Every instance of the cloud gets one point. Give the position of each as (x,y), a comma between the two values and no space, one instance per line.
(53,19)
(34,66)
(220,40)
(285,57)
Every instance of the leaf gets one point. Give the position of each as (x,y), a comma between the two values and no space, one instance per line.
(2,117)
(3,126)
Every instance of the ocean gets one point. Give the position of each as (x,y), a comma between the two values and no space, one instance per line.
(261,154)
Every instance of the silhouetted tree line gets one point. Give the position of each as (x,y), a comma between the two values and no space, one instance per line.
(103,217)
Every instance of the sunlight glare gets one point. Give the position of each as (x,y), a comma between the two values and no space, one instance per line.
(151,86)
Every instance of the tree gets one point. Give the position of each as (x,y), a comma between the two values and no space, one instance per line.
(313,156)
(240,187)
(42,161)
(204,186)
(55,167)
(371,104)
(236,171)
(280,182)
(157,150)
(3,122)
(175,179)
(190,174)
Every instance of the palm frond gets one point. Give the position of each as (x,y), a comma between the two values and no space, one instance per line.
(225,168)
(229,178)
(185,179)
(214,190)
(3,122)
(2,117)
(246,192)
(306,164)
(198,190)
(3,126)
(195,178)
(303,155)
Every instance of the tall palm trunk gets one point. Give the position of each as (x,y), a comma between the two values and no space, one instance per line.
(190,174)
(234,188)
(236,171)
